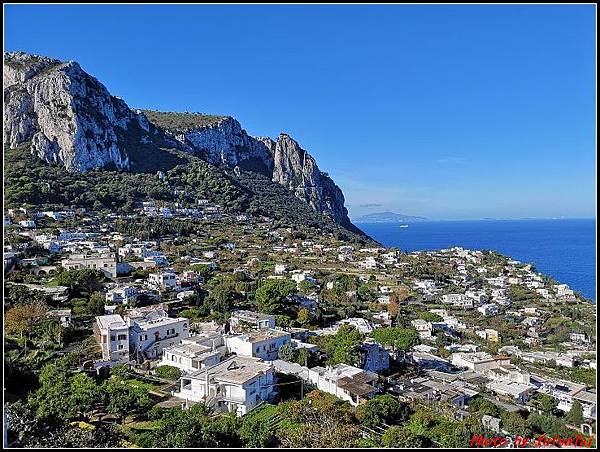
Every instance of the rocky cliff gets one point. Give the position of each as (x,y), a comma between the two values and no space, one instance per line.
(70,118)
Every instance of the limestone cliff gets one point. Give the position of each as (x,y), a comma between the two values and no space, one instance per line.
(70,118)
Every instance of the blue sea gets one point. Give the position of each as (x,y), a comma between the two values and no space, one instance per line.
(563,249)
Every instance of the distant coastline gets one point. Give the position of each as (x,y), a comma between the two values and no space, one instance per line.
(562,248)
(388,217)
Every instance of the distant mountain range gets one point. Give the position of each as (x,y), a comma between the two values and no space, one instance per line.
(388,217)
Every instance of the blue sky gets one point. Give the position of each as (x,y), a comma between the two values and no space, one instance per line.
(441,111)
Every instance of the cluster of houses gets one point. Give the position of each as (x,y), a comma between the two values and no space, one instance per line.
(233,370)
(237,366)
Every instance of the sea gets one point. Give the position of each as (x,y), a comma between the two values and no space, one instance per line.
(562,248)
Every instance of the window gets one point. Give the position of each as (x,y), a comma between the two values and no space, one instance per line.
(112,337)
(122,337)
(121,347)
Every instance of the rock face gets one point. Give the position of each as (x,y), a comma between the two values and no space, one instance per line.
(284,161)
(67,115)
(70,118)
(297,170)
(225,143)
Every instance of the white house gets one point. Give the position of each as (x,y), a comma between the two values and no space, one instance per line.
(64,316)
(236,385)
(262,344)
(112,333)
(151,330)
(29,224)
(567,392)
(241,321)
(489,309)
(518,391)
(280,269)
(346,382)
(478,361)
(162,280)
(123,295)
(579,337)
(190,357)
(423,327)
(105,262)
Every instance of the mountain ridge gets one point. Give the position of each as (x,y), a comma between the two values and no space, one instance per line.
(70,118)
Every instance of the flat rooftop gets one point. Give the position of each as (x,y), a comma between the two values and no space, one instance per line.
(236,370)
(263,335)
(111,321)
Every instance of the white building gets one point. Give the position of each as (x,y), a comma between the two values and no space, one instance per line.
(106,262)
(579,337)
(280,269)
(151,330)
(346,382)
(517,391)
(362,325)
(123,295)
(241,321)
(262,344)
(423,327)
(191,356)
(236,385)
(112,333)
(567,392)
(162,280)
(64,316)
(489,309)
(478,361)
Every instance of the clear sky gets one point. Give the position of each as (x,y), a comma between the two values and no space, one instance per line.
(440,111)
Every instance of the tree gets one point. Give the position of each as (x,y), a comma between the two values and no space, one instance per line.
(95,305)
(319,420)
(343,347)
(382,409)
(168,372)
(82,282)
(402,339)
(256,432)
(430,316)
(271,294)
(575,414)
(303,357)
(288,352)
(84,393)
(121,399)
(51,331)
(548,425)
(220,297)
(515,424)
(194,427)
(24,318)
(62,396)
(364,293)
(303,316)
(545,402)
(482,406)
(306,287)
(402,438)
